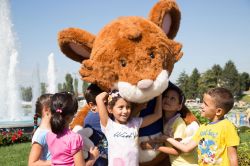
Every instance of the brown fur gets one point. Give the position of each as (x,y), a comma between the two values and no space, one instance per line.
(79,117)
(126,39)
(129,49)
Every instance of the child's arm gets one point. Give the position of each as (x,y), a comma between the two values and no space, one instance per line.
(79,159)
(34,157)
(147,120)
(183,147)
(157,146)
(94,154)
(103,113)
(232,155)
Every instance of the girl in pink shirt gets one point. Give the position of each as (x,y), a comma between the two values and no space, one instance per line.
(64,145)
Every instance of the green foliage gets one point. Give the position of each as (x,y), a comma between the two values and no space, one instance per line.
(182,82)
(43,87)
(230,78)
(26,93)
(245,98)
(84,86)
(243,149)
(195,85)
(76,86)
(244,81)
(192,89)
(196,112)
(69,83)
(16,154)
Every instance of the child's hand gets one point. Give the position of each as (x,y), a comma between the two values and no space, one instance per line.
(149,145)
(94,152)
(162,138)
(102,96)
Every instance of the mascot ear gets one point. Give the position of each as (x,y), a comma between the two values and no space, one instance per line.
(76,43)
(167,16)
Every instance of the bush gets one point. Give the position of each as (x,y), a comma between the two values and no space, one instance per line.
(12,136)
(243,149)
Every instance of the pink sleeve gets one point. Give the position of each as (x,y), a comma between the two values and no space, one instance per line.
(76,143)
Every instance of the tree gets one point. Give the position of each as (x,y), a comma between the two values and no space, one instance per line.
(182,82)
(60,87)
(69,83)
(84,86)
(192,91)
(26,93)
(210,79)
(244,81)
(76,86)
(216,74)
(230,78)
(43,87)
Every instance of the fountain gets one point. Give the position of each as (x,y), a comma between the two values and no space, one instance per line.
(51,74)
(10,103)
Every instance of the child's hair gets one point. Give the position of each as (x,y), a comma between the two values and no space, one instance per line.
(186,114)
(173,87)
(41,102)
(91,92)
(112,98)
(62,105)
(223,98)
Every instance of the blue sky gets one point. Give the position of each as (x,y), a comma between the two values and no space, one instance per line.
(212,31)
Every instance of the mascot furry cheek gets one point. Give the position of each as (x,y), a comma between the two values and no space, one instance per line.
(131,54)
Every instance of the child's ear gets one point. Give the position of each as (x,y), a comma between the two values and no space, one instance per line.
(180,107)
(109,110)
(91,104)
(219,111)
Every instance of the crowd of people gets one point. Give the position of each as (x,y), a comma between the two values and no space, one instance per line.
(116,130)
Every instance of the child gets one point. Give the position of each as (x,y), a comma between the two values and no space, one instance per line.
(122,131)
(216,141)
(39,154)
(65,145)
(92,120)
(173,109)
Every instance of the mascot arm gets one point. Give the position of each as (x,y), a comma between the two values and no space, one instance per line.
(79,117)
(156,115)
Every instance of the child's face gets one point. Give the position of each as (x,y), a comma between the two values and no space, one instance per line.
(93,106)
(121,111)
(170,102)
(208,107)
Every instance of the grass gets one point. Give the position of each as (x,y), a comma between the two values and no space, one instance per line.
(246,98)
(16,154)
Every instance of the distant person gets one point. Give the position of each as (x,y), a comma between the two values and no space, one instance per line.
(120,129)
(217,141)
(65,145)
(39,153)
(92,120)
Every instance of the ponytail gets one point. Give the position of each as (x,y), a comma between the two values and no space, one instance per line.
(63,105)
(57,123)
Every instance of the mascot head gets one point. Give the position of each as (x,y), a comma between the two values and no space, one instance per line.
(131,54)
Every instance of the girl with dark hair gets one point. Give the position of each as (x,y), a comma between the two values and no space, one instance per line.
(65,145)
(121,130)
(39,154)
(174,113)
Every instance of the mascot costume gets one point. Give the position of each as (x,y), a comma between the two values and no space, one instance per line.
(133,55)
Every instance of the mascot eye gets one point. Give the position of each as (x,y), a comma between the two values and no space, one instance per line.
(123,62)
(152,56)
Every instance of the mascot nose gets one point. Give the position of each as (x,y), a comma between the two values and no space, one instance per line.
(144,84)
